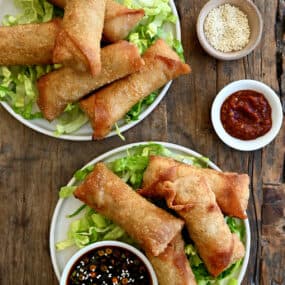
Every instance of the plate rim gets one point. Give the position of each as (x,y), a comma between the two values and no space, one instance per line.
(115,151)
(124,128)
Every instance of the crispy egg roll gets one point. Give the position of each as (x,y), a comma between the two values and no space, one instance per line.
(194,201)
(172,266)
(28,44)
(119,20)
(111,103)
(231,189)
(59,88)
(78,43)
(152,227)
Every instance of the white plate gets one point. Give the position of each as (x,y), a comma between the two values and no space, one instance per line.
(60,224)
(85,132)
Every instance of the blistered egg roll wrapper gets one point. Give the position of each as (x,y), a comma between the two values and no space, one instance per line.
(29,44)
(152,227)
(59,88)
(111,103)
(78,43)
(172,266)
(231,189)
(119,20)
(193,200)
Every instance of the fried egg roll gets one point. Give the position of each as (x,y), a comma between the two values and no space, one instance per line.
(111,103)
(28,44)
(193,200)
(78,43)
(119,20)
(59,88)
(231,189)
(152,227)
(172,266)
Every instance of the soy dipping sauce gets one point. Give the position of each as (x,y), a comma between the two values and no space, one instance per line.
(109,265)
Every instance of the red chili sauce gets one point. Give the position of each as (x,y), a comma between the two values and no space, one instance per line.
(246,115)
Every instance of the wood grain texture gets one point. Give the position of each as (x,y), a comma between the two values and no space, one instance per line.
(33,166)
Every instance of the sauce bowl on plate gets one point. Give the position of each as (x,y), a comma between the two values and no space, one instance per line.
(276,115)
(108,261)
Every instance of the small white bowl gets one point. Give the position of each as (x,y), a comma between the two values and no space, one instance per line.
(273,100)
(83,251)
(255,23)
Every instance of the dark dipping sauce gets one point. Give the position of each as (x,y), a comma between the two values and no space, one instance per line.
(109,265)
(246,115)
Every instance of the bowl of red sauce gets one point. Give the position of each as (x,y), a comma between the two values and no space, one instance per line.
(108,262)
(247,115)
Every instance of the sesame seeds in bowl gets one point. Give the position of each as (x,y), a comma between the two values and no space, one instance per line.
(229,29)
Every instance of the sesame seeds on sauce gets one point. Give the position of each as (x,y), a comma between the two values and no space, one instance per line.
(109,265)
(227,28)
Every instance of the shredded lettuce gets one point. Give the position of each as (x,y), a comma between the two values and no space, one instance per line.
(71,120)
(158,14)
(90,228)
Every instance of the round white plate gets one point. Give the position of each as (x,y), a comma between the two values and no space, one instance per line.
(60,223)
(85,132)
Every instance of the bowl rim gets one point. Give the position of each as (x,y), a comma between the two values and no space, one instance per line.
(273,100)
(84,250)
(227,56)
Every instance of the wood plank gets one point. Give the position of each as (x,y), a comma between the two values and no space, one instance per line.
(273,235)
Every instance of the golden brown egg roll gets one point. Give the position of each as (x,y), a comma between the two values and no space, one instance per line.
(152,227)
(111,103)
(193,200)
(172,266)
(231,189)
(119,20)
(78,43)
(28,44)
(64,86)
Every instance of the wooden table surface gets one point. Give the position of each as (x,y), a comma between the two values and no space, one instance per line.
(34,166)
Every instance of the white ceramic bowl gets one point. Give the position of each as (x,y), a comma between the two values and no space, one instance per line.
(83,251)
(273,100)
(255,24)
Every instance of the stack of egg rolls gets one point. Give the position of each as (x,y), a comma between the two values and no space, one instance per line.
(156,231)
(112,102)
(231,189)
(193,199)
(59,88)
(33,44)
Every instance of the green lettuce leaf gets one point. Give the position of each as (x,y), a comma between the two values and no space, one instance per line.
(71,120)
(92,227)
